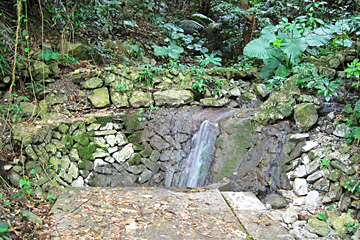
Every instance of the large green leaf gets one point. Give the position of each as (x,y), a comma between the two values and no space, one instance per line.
(160,51)
(268,33)
(175,51)
(258,48)
(4,227)
(294,47)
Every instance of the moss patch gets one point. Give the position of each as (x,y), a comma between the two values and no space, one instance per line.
(67,141)
(131,123)
(86,152)
(104,120)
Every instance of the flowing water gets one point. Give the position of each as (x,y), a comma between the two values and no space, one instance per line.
(198,163)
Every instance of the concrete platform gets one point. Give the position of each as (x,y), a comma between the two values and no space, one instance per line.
(157,213)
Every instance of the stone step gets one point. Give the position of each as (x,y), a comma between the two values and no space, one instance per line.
(254,217)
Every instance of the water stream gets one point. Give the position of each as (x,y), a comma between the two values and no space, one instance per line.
(198,163)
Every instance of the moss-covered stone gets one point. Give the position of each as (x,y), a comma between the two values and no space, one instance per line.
(82,138)
(86,165)
(131,123)
(103,120)
(135,159)
(63,128)
(138,147)
(135,137)
(67,140)
(86,152)
(33,167)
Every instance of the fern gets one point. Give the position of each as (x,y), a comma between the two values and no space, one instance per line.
(191,26)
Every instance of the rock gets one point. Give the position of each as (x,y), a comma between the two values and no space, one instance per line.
(276,201)
(158,143)
(135,159)
(214,102)
(309,145)
(348,170)
(297,151)
(100,97)
(339,223)
(322,185)
(173,97)
(300,171)
(121,139)
(318,227)
(86,165)
(65,176)
(154,167)
(155,156)
(92,83)
(32,217)
(299,136)
(40,71)
(73,170)
(312,198)
(31,153)
(99,163)
(345,203)
(141,99)
(234,92)
(136,169)
(29,109)
(335,192)
(333,174)
(14,179)
(313,166)
(118,99)
(124,154)
(261,90)
(341,130)
(111,140)
(315,176)
(76,50)
(290,215)
(305,116)
(145,176)
(300,187)
(79,182)
(54,99)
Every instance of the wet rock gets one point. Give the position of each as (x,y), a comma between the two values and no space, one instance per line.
(173,97)
(305,116)
(276,201)
(214,102)
(341,130)
(300,187)
(100,97)
(318,227)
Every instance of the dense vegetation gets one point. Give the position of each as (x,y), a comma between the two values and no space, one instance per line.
(282,37)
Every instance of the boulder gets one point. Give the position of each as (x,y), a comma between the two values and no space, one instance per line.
(100,97)
(173,97)
(305,116)
(92,83)
(141,99)
(40,71)
(318,227)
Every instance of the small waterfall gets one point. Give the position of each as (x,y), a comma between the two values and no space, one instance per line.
(197,165)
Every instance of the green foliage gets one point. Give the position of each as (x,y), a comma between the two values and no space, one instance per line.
(199,85)
(353,122)
(353,185)
(48,55)
(321,216)
(35,85)
(353,69)
(16,112)
(351,227)
(141,110)
(4,227)
(324,162)
(51,197)
(147,74)
(308,77)
(205,60)
(25,187)
(173,50)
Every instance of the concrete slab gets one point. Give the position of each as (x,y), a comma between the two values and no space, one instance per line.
(141,213)
(253,216)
